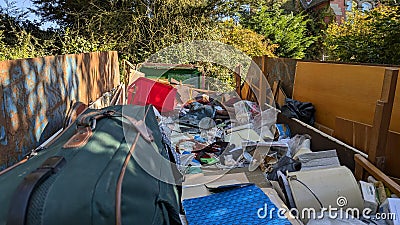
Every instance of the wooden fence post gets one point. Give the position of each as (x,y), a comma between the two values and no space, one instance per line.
(263,84)
(238,78)
(382,117)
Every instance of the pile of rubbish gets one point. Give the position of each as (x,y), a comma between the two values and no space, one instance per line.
(225,132)
(211,131)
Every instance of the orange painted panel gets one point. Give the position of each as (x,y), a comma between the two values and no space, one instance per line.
(36,93)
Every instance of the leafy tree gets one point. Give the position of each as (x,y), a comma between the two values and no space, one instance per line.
(369,37)
(20,37)
(316,27)
(138,29)
(14,20)
(289,31)
(246,40)
(73,43)
(70,12)
(243,39)
(390,2)
(26,46)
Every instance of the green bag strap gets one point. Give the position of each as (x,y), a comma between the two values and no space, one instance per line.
(171,217)
(118,192)
(19,206)
(90,119)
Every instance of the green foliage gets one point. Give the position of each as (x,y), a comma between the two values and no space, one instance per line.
(139,32)
(317,27)
(369,37)
(26,46)
(228,46)
(21,38)
(74,43)
(288,31)
(246,40)
(390,2)
(73,12)
(138,29)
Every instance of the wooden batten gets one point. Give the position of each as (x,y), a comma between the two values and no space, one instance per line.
(383,114)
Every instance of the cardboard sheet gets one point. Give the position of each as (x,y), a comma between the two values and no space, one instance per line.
(193,186)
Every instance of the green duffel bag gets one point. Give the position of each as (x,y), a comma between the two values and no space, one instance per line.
(110,166)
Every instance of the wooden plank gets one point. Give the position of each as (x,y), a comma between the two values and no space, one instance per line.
(323,128)
(237,83)
(272,93)
(383,113)
(265,67)
(238,78)
(376,173)
(117,95)
(262,97)
(275,88)
(360,136)
(392,153)
(281,69)
(281,99)
(256,81)
(343,90)
(255,88)
(353,133)
(262,84)
(263,64)
(344,131)
(359,172)
(246,92)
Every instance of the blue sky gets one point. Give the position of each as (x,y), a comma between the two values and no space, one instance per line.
(24,5)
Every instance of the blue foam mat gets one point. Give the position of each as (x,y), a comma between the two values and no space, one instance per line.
(238,206)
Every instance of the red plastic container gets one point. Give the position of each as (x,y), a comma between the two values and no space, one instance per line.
(145,91)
